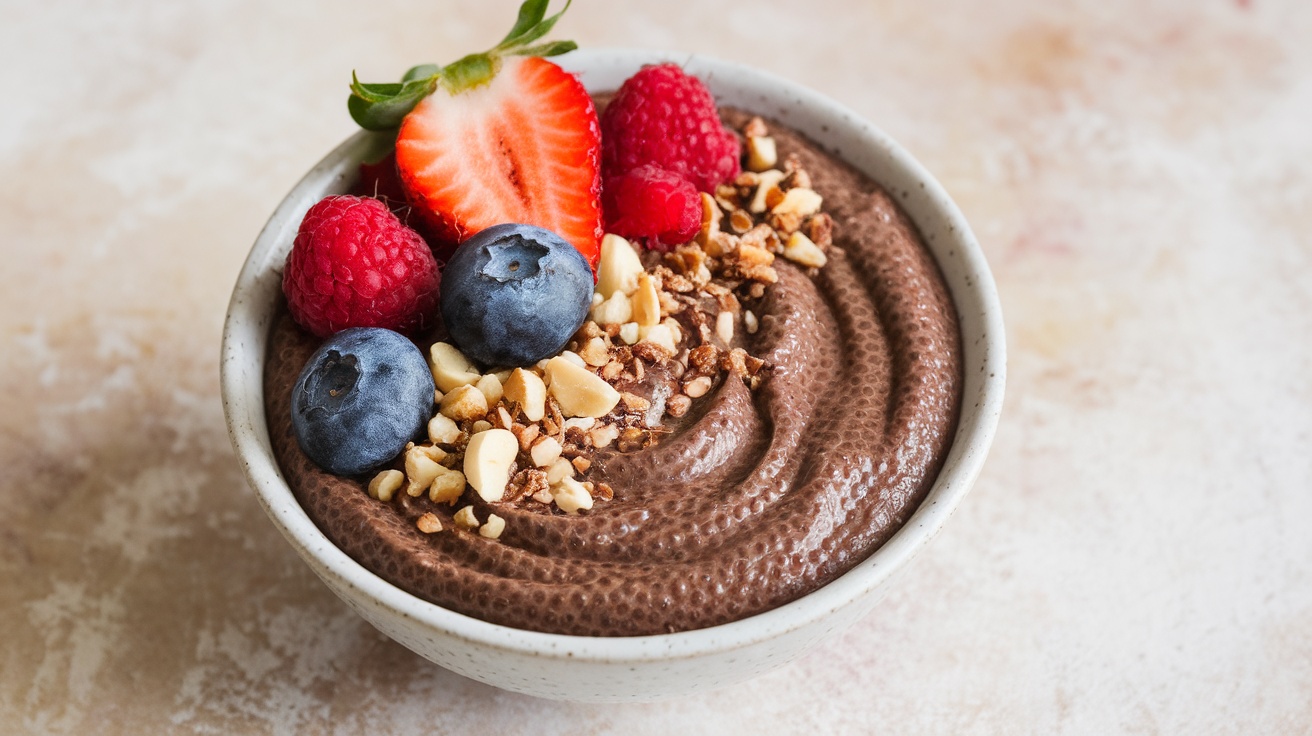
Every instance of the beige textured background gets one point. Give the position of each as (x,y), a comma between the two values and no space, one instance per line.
(1135,558)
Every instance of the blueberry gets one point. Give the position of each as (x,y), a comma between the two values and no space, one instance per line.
(362,396)
(515,294)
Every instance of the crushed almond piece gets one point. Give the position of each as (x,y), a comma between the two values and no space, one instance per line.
(527,435)
(761,152)
(634,403)
(697,387)
(545,451)
(604,435)
(493,527)
(570,496)
(385,484)
(581,464)
(464,403)
(429,523)
(750,322)
(595,353)
(800,249)
(465,519)
(821,227)
(447,486)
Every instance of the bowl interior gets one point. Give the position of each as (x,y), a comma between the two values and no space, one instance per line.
(834,127)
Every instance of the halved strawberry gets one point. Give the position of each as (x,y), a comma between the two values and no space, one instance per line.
(523,147)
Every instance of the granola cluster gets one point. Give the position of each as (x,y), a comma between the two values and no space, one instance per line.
(660,336)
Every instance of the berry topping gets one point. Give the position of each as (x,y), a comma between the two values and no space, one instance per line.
(665,117)
(515,294)
(362,396)
(495,138)
(354,264)
(653,204)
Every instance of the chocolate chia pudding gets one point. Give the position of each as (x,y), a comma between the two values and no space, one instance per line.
(750,500)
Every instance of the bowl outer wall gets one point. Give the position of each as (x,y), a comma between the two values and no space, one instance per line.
(628,668)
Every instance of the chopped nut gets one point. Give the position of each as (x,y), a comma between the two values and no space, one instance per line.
(774,197)
(614,310)
(490,385)
(761,152)
(724,327)
(755,127)
(618,267)
(421,467)
(629,332)
(464,403)
(697,387)
(612,370)
(595,353)
(385,484)
(502,418)
(465,519)
(704,359)
(660,336)
(527,390)
(799,201)
(801,250)
(429,523)
(482,425)
(634,438)
(581,464)
(750,322)
(451,369)
(579,392)
(574,358)
(530,482)
(678,405)
(447,486)
(822,229)
(527,435)
(646,303)
(545,451)
(559,470)
(588,331)
(786,223)
(570,496)
(769,179)
(751,255)
(634,403)
(711,216)
(442,430)
(488,459)
(740,222)
(604,492)
(493,527)
(604,435)
(736,362)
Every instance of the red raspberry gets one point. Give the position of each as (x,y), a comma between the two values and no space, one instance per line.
(652,203)
(665,117)
(354,264)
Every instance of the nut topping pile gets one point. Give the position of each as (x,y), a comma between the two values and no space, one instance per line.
(657,339)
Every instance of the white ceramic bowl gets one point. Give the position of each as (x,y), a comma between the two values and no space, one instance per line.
(646,667)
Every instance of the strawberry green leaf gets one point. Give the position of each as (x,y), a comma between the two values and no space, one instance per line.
(533,33)
(420,72)
(382,106)
(551,48)
(530,14)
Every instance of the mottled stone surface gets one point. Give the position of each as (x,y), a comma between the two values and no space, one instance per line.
(1134,558)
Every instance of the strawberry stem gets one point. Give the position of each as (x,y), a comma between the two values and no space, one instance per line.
(384,106)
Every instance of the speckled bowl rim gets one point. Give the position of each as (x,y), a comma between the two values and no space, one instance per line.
(836,128)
